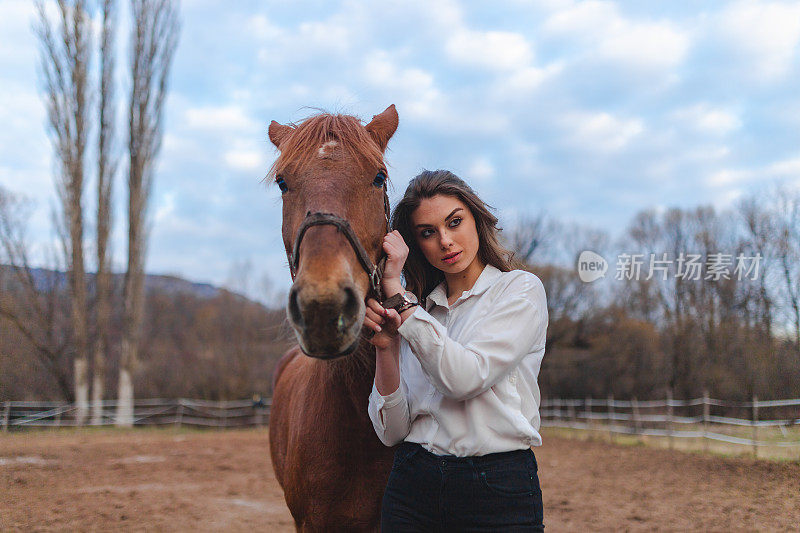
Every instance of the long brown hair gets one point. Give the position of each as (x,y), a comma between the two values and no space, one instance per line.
(421,276)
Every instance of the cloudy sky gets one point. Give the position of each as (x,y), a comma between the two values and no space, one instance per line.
(589,111)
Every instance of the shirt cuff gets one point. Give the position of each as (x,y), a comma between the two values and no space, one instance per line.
(389,400)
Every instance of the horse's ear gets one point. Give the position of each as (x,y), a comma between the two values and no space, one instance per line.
(278,133)
(383,126)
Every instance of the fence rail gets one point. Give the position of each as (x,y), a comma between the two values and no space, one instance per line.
(757,423)
(760,423)
(146,412)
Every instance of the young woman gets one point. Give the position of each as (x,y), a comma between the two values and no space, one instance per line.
(456,374)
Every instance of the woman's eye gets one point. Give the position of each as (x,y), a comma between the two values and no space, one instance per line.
(455,222)
(282,184)
(426,233)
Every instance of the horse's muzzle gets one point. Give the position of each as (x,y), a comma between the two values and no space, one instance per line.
(327,323)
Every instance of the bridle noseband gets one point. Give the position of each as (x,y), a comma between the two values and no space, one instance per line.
(374,272)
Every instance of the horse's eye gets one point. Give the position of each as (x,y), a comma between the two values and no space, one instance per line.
(380,179)
(282,184)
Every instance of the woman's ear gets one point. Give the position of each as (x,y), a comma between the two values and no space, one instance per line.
(383,126)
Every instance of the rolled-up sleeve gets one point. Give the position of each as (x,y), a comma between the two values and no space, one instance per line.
(389,415)
(516,327)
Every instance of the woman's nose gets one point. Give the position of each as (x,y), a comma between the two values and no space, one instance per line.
(445,240)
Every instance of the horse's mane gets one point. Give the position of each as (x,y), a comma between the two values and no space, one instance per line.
(299,149)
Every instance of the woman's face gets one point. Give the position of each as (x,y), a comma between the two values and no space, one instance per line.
(445,231)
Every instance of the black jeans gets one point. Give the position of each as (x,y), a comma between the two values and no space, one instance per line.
(494,492)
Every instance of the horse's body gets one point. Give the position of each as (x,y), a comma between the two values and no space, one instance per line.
(332,467)
(326,456)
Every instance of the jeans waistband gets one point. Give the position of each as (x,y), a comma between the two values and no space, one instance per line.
(490,459)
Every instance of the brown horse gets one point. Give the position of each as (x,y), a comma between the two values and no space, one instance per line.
(326,456)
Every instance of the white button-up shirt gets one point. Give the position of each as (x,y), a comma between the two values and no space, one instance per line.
(468,372)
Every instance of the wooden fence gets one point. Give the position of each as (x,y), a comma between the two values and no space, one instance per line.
(756,423)
(147,412)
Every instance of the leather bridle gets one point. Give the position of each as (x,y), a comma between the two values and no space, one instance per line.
(374,271)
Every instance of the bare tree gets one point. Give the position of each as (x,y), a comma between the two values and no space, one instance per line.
(528,235)
(153,40)
(65,52)
(787,222)
(31,301)
(106,169)
(759,234)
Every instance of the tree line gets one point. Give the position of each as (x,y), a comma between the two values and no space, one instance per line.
(629,337)
(733,332)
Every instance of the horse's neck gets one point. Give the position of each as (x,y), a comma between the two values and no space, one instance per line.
(352,375)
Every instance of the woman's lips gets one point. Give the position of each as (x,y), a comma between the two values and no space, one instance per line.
(451,258)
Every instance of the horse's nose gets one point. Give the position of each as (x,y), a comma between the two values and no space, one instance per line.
(350,309)
(332,312)
(295,314)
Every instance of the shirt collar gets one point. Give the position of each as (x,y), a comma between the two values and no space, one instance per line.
(438,295)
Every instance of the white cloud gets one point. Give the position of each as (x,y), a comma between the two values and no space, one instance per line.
(728,177)
(16,36)
(600,132)
(520,83)
(765,34)
(245,159)
(481,170)
(493,50)
(606,34)
(330,36)
(414,88)
(263,29)
(223,118)
(784,168)
(708,119)
(645,45)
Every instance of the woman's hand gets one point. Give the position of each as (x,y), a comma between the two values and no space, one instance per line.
(396,254)
(384,322)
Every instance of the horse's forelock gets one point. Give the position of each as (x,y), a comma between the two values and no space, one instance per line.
(300,148)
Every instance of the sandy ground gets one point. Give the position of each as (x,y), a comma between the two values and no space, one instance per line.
(164,480)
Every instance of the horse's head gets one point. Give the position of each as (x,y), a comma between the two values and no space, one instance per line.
(332,164)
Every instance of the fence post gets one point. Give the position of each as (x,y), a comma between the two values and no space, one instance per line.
(669,417)
(755,426)
(611,417)
(6,416)
(706,416)
(179,417)
(571,410)
(589,419)
(224,417)
(636,421)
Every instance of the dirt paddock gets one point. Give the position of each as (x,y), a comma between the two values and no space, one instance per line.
(169,480)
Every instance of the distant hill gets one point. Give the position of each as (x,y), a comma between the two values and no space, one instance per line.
(45,279)
(197,341)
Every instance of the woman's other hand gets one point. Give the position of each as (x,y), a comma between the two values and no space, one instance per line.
(396,254)
(384,322)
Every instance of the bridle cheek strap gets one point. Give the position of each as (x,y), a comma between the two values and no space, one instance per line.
(374,272)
